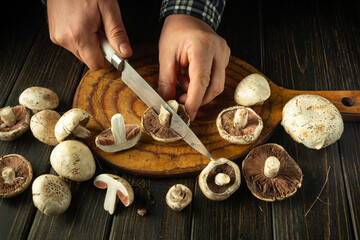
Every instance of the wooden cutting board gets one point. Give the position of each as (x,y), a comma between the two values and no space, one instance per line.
(102,94)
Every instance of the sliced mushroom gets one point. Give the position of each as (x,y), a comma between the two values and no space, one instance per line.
(252,90)
(117,187)
(270,173)
(178,197)
(39,98)
(220,179)
(51,195)
(239,125)
(14,121)
(72,159)
(312,120)
(158,126)
(72,124)
(42,125)
(119,137)
(16,175)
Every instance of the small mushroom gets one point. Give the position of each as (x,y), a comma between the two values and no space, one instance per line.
(119,137)
(117,187)
(39,98)
(42,125)
(239,125)
(312,120)
(72,124)
(270,173)
(252,90)
(16,175)
(220,179)
(51,195)
(72,159)
(14,121)
(158,126)
(178,197)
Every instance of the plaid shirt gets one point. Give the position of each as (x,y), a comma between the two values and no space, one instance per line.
(210,11)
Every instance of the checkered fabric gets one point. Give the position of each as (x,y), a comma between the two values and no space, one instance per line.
(210,11)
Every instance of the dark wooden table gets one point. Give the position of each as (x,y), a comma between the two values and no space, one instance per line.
(305,45)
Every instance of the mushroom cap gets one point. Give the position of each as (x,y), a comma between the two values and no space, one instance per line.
(42,125)
(39,98)
(72,159)
(252,90)
(312,120)
(178,197)
(51,195)
(247,135)
(21,179)
(69,122)
(283,185)
(22,115)
(207,179)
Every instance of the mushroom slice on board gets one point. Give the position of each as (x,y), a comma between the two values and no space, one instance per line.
(119,137)
(178,197)
(270,173)
(16,175)
(42,125)
(51,195)
(39,98)
(158,126)
(239,125)
(14,121)
(117,187)
(220,179)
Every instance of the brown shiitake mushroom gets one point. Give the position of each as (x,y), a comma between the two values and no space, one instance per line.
(42,125)
(39,98)
(14,121)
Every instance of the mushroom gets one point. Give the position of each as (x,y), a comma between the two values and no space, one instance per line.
(51,195)
(39,98)
(252,90)
(158,126)
(312,120)
(270,173)
(219,179)
(72,159)
(119,137)
(16,175)
(14,121)
(178,197)
(42,125)
(71,125)
(116,186)
(239,125)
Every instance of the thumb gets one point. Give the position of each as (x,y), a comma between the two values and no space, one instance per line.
(114,28)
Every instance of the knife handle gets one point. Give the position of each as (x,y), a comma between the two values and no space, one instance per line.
(110,54)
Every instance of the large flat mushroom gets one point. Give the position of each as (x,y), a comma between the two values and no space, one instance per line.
(14,121)
(42,125)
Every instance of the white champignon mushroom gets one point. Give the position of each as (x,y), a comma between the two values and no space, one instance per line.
(14,121)
(178,197)
(117,187)
(312,120)
(39,98)
(119,137)
(252,90)
(42,125)
(51,195)
(72,159)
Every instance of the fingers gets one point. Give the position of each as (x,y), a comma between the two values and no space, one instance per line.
(167,75)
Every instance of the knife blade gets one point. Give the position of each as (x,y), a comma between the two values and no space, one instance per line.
(150,97)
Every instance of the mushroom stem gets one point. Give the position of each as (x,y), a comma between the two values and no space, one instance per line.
(177,194)
(174,105)
(272,166)
(222,179)
(8,117)
(164,116)
(241,118)
(8,174)
(81,132)
(118,128)
(110,199)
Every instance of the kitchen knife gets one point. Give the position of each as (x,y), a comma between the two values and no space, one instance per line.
(149,96)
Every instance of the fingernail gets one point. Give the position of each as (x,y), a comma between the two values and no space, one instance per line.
(125,48)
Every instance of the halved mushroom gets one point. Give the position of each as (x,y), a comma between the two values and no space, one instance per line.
(312,120)
(178,197)
(39,98)
(252,90)
(42,125)
(72,124)
(220,179)
(158,126)
(72,159)
(119,137)
(117,187)
(270,173)
(239,125)
(14,121)
(16,175)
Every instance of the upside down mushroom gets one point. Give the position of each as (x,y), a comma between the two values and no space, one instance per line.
(178,197)
(14,121)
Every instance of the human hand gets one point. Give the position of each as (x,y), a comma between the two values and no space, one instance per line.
(74,25)
(189,45)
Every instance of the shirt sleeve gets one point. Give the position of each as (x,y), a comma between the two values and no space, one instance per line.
(210,11)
